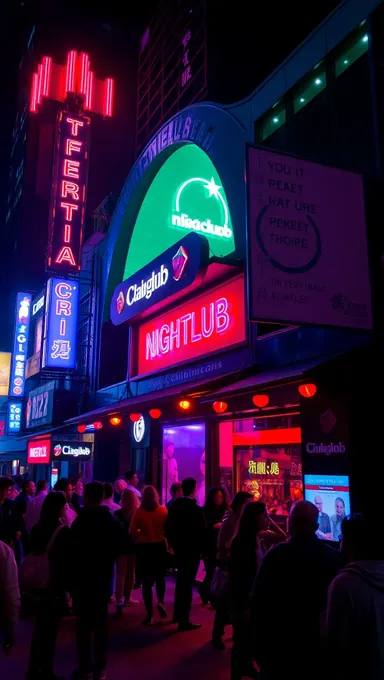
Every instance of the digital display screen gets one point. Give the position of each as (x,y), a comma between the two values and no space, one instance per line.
(332,499)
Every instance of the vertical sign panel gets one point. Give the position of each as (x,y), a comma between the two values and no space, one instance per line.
(60,325)
(14,417)
(20,344)
(69,192)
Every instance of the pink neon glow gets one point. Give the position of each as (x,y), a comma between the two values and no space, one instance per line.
(33,99)
(75,124)
(63,324)
(67,233)
(72,145)
(66,255)
(69,208)
(63,307)
(39,83)
(70,71)
(71,168)
(70,189)
(47,70)
(89,93)
(84,69)
(108,97)
(63,290)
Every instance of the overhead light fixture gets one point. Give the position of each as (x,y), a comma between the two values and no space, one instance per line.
(98,425)
(115,420)
(81,428)
(134,417)
(220,406)
(185,404)
(318,81)
(260,400)
(155,413)
(308,390)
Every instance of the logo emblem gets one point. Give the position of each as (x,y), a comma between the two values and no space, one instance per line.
(188,220)
(57,450)
(139,429)
(120,302)
(179,263)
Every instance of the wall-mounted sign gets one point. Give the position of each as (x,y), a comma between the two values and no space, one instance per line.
(79,451)
(262,467)
(69,192)
(60,325)
(5,371)
(38,304)
(187,206)
(14,417)
(32,366)
(212,322)
(168,274)
(20,344)
(39,451)
(39,407)
(139,430)
(304,265)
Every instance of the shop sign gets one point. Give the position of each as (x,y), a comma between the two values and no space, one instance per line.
(20,344)
(305,267)
(39,451)
(60,326)
(14,417)
(32,366)
(38,304)
(187,206)
(211,322)
(325,431)
(79,451)
(69,192)
(39,408)
(5,371)
(176,269)
(139,430)
(262,467)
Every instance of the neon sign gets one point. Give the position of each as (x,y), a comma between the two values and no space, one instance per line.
(185,198)
(14,417)
(212,322)
(69,192)
(261,467)
(39,451)
(67,450)
(20,344)
(60,325)
(170,273)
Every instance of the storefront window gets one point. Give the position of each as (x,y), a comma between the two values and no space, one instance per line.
(183,456)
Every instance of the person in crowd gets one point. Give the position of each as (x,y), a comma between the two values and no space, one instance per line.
(214,510)
(108,498)
(324,530)
(294,578)
(185,531)
(96,543)
(28,490)
(226,533)
(132,480)
(337,519)
(14,492)
(125,565)
(78,494)
(9,596)
(120,486)
(355,609)
(246,555)
(170,466)
(176,492)
(35,505)
(148,526)
(7,524)
(65,486)
(50,536)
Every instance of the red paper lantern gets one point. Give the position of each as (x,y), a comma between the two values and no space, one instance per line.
(134,417)
(185,404)
(155,413)
(98,425)
(260,400)
(81,428)
(308,390)
(219,406)
(115,420)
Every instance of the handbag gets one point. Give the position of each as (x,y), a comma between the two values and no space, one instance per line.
(220,584)
(34,572)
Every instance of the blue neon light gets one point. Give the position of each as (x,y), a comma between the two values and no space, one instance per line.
(14,417)
(60,325)
(20,345)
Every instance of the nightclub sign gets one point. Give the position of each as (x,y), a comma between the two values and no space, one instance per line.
(186,205)
(39,451)
(69,192)
(176,269)
(211,322)
(14,417)
(60,325)
(39,409)
(78,451)
(20,345)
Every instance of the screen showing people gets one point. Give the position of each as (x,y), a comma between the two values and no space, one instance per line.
(332,499)
(184,456)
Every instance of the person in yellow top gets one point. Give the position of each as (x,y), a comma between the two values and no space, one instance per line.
(148,527)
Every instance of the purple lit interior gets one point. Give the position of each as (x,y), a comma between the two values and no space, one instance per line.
(184,456)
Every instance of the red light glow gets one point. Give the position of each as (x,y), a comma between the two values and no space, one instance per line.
(84,69)
(39,83)
(81,428)
(115,420)
(289,435)
(89,92)
(33,98)
(260,400)
(155,413)
(98,425)
(185,404)
(134,417)
(70,72)
(108,97)
(308,390)
(219,406)
(47,70)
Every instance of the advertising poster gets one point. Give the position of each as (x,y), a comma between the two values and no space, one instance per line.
(331,496)
(39,451)
(308,246)
(325,432)
(5,370)
(39,409)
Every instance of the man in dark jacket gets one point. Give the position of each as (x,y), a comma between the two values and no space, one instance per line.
(293,579)
(185,531)
(96,544)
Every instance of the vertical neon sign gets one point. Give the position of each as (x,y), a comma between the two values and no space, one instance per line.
(69,192)
(20,344)
(60,324)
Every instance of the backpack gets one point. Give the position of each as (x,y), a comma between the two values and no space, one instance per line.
(34,572)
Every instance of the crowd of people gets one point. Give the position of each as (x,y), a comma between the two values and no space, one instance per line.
(296,604)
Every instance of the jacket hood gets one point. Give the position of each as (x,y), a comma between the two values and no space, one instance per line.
(369,571)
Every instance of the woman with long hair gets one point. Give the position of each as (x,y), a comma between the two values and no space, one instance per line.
(215,508)
(246,554)
(125,564)
(148,526)
(50,536)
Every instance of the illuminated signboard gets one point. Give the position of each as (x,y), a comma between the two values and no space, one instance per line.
(20,344)
(211,322)
(169,273)
(189,195)
(14,417)
(69,192)
(39,451)
(38,304)
(60,325)
(76,451)
(5,371)
(261,467)
(39,407)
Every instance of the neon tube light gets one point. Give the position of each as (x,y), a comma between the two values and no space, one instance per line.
(89,92)
(47,69)
(70,71)
(33,99)
(84,70)
(108,97)
(39,82)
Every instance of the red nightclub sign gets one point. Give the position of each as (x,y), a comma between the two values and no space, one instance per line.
(69,192)
(39,451)
(211,322)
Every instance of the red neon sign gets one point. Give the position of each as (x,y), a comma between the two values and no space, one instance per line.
(69,192)
(212,322)
(39,451)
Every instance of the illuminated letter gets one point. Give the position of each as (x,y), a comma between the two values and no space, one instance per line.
(63,307)
(67,233)
(221,314)
(66,255)
(70,189)
(184,320)
(75,124)
(63,325)
(164,342)
(207,332)
(63,290)
(72,145)
(151,345)
(195,337)
(174,334)
(71,168)
(69,208)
